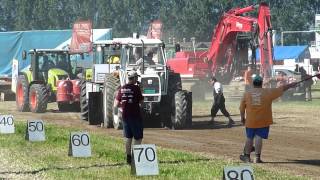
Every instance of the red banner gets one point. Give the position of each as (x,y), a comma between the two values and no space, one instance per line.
(81,41)
(155,30)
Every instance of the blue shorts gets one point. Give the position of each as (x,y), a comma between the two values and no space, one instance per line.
(133,127)
(262,132)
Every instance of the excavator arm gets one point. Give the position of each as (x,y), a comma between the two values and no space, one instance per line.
(224,39)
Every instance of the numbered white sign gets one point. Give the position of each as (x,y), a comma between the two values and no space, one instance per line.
(35,130)
(6,124)
(79,144)
(238,173)
(145,160)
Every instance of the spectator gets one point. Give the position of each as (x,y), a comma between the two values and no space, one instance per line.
(282,80)
(297,68)
(306,84)
(248,78)
(129,97)
(256,115)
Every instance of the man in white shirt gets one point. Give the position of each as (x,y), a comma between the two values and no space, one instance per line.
(219,102)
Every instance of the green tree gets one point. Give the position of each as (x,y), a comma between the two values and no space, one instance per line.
(7,14)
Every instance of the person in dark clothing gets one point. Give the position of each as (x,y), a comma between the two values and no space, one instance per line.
(219,102)
(306,84)
(297,68)
(129,98)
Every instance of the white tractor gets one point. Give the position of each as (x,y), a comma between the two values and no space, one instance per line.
(165,103)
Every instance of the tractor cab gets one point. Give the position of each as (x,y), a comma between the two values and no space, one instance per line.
(146,56)
(121,55)
(49,65)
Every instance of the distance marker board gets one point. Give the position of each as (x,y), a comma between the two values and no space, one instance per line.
(145,161)
(79,144)
(238,173)
(35,130)
(6,124)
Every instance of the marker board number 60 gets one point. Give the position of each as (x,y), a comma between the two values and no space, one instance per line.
(78,140)
(6,120)
(149,153)
(35,126)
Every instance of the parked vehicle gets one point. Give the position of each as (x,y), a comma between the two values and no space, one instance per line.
(49,79)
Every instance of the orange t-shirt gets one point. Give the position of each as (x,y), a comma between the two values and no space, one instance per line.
(248,77)
(257,104)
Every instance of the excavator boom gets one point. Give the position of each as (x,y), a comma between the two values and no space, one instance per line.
(224,40)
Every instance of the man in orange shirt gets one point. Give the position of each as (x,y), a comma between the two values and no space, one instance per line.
(256,104)
(248,78)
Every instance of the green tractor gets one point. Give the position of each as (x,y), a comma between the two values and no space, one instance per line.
(48,79)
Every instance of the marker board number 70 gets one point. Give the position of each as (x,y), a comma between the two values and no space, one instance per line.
(149,153)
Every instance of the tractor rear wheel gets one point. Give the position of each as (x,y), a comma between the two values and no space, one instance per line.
(168,101)
(112,116)
(38,98)
(84,105)
(22,94)
(180,110)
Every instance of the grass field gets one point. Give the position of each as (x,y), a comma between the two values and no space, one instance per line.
(21,159)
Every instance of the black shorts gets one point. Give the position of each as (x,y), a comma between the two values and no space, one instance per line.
(133,127)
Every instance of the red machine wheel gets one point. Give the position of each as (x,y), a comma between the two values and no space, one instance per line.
(22,94)
(38,98)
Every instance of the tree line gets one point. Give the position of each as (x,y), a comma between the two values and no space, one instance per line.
(181,18)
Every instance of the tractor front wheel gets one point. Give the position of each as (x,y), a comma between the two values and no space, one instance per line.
(22,94)
(179,116)
(38,98)
(84,105)
(111,114)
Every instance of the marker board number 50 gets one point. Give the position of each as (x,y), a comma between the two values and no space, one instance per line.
(35,126)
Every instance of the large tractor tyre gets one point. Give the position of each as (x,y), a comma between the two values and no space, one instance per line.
(22,94)
(108,122)
(180,110)
(112,115)
(84,105)
(38,98)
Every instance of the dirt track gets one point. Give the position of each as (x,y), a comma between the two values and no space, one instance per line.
(294,145)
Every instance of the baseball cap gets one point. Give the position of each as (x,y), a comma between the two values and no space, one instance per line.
(132,74)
